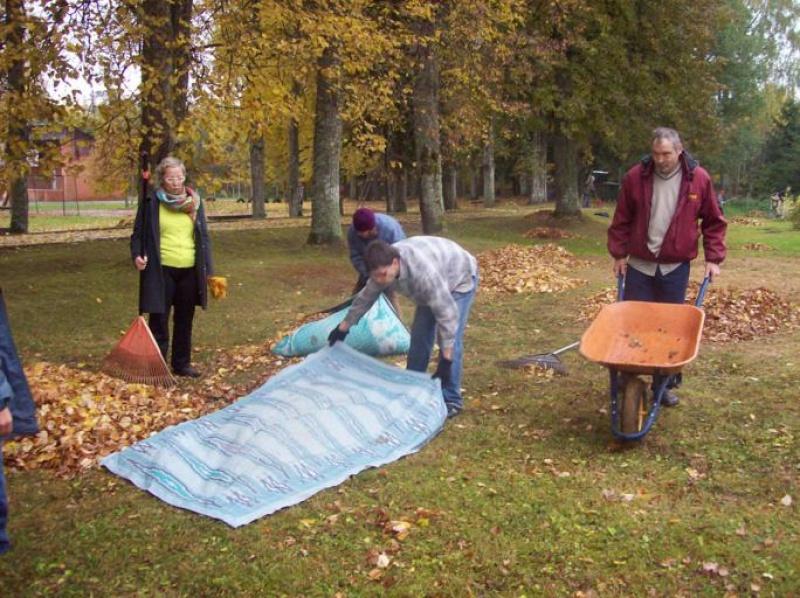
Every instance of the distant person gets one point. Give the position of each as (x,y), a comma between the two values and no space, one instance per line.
(721,199)
(366,227)
(175,264)
(588,190)
(441,277)
(17,410)
(654,233)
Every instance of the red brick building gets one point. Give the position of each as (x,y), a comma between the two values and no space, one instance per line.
(75,181)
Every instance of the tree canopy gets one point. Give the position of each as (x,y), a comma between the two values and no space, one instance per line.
(413,93)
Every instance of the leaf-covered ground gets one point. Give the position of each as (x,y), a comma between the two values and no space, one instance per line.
(524,494)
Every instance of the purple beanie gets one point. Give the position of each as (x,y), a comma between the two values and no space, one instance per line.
(363,219)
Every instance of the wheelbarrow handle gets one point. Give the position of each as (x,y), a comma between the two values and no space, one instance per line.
(701,294)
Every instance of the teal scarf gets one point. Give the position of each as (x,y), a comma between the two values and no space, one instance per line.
(188,202)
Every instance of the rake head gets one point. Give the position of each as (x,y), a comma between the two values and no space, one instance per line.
(548,361)
(137,358)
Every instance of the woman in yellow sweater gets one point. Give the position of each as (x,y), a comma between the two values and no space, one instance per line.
(171,251)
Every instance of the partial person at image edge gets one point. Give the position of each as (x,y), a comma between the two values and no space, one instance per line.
(17,409)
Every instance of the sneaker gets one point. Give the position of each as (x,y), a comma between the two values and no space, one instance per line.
(453,411)
(669,399)
(187,371)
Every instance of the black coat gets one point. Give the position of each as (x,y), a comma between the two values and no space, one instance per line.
(151,279)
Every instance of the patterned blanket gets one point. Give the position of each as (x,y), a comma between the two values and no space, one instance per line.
(308,428)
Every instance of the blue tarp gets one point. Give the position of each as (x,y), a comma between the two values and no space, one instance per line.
(308,428)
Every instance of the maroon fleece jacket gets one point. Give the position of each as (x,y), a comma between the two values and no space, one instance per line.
(697,211)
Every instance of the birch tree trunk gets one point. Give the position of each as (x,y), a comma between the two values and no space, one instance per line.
(326,227)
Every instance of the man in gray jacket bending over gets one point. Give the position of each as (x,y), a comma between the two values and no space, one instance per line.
(441,278)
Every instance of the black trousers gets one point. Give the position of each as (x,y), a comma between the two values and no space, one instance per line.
(180,293)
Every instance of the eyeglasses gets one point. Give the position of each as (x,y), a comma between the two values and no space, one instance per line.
(175,179)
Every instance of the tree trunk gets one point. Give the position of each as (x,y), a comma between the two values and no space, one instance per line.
(257,176)
(450,187)
(400,200)
(295,188)
(475,179)
(18,133)
(352,188)
(523,184)
(487,167)
(181,20)
(538,169)
(565,155)
(326,227)
(425,102)
(156,90)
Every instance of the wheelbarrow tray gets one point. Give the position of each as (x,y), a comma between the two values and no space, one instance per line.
(642,337)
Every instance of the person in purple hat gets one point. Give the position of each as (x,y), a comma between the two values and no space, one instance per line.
(368,226)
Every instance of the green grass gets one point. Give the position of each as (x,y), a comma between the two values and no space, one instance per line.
(705,486)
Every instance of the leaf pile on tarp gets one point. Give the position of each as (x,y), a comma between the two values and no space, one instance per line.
(745,221)
(520,269)
(731,315)
(757,247)
(86,415)
(546,232)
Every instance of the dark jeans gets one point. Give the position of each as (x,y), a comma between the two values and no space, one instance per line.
(180,292)
(659,289)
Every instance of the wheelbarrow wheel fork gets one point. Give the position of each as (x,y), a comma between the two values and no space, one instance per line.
(632,415)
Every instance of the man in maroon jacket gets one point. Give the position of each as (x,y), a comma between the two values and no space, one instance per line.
(655,232)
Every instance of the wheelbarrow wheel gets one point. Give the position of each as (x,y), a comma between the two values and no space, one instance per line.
(633,406)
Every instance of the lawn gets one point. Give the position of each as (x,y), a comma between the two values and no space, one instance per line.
(525,494)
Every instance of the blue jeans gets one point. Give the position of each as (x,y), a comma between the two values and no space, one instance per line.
(5,544)
(423,334)
(659,288)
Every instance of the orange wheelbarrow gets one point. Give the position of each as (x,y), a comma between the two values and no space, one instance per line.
(634,339)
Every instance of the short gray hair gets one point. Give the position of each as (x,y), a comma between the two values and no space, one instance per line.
(669,134)
(169,162)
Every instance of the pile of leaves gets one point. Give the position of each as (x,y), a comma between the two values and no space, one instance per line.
(744,315)
(86,415)
(592,305)
(519,269)
(546,232)
(731,315)
(757,247)
(745,221)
